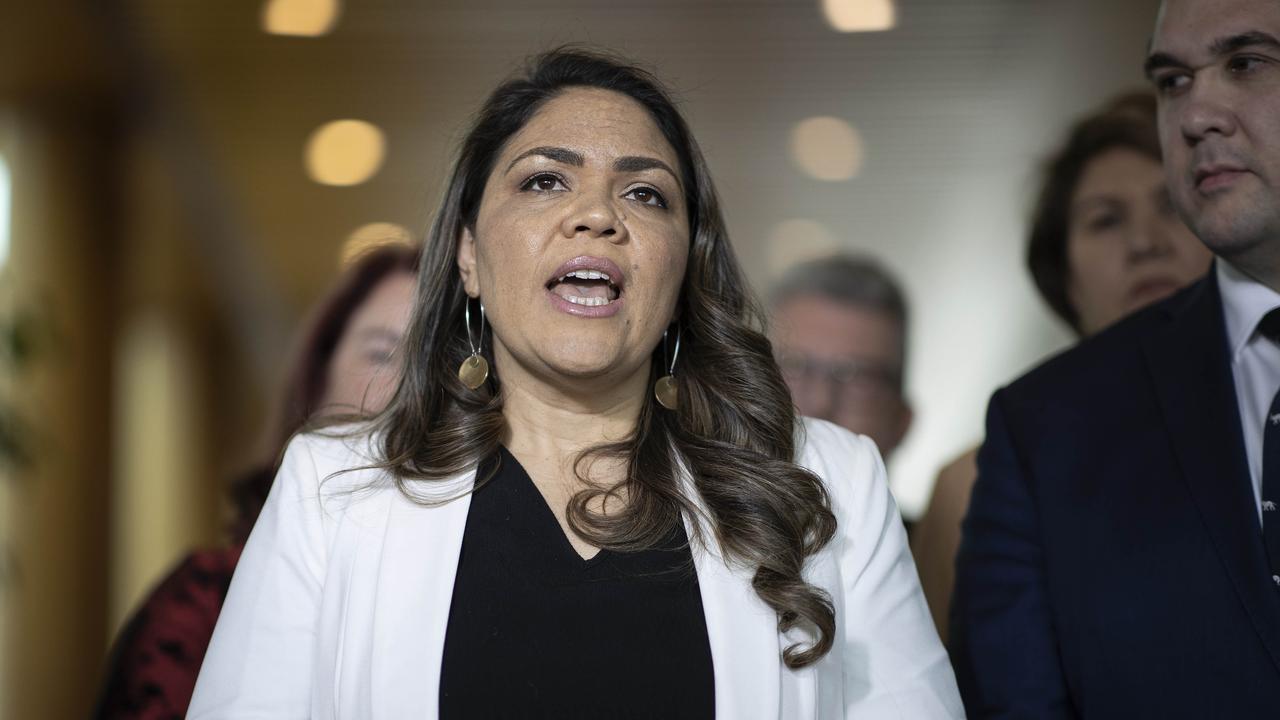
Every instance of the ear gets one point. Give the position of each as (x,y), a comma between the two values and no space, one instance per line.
(466,253)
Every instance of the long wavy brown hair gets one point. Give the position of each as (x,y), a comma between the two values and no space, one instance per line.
(735,431)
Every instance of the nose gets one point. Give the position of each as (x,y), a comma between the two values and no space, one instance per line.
(594,215)
(1205,115)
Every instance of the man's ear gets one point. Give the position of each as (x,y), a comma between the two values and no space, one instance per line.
(466,253)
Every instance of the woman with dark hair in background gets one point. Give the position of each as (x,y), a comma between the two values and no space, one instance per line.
(590,496)
(348,364)
(1104,241)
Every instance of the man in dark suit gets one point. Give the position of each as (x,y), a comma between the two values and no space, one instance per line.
(1121,555)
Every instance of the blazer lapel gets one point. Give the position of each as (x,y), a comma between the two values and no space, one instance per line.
(415,589)
(741,629)
(1190,366)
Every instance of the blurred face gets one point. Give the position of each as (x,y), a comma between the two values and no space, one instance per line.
(581,239)
(1126,246)
(366,365)
(843,364)
(1216,68)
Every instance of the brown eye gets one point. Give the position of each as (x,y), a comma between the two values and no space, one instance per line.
(544,182)
(1171,83)
(1242,64)
(647,196)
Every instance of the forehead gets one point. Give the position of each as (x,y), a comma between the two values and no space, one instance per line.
(1187,28)
(1119,168)
(596,123)
(389,303)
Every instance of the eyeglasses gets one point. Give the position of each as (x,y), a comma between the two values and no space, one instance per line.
(859,376)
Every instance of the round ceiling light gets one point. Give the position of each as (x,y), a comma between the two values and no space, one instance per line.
(345,152)
(860,15)
(827,148)
(300,18)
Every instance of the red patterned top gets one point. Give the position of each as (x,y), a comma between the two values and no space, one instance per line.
(152,669)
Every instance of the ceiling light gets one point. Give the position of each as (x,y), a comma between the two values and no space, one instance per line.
(300,18)
(827,148)
(345,152)
(794,241)
(860,15)
(376,234)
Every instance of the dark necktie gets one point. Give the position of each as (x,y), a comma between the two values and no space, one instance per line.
(1270,328)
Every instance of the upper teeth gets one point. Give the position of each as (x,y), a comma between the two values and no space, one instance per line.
(586,275)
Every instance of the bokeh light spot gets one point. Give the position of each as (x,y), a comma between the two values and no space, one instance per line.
(345,152)
(300,18)
(375,234)
(794,241)
(860,15)
(827,148)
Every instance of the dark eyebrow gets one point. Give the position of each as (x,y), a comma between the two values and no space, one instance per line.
(1160,61)
(1232,43)
(635,163)
(1218,48)
(558,154)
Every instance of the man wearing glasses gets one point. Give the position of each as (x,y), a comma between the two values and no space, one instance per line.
(839,331)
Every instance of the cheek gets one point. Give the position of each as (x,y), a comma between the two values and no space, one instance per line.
(670,262)
(1095,266)
(507,261)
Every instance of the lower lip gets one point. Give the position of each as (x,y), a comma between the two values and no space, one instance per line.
(584,311)
(1218,180)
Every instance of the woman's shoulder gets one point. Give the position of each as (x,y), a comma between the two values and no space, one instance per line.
(353,445)
(826,449)
(336,452)
(850,467)
(333,469)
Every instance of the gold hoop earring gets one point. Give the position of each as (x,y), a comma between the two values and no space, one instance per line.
(665,389)
(475,369)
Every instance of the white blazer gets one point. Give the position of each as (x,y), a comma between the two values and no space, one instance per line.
(339,605)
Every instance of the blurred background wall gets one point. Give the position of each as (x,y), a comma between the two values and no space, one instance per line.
(173,195)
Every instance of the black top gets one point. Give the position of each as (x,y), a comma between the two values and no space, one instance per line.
(536,631)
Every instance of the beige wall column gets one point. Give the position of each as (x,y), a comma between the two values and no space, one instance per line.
(61,268)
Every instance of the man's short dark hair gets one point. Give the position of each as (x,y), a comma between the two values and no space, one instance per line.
(1128,121)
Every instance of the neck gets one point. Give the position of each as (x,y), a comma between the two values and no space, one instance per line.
(553,419)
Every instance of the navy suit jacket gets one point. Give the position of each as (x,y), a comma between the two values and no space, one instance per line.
(1112,563)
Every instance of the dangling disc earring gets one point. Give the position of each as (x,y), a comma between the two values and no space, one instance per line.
(665,389)
(475,369)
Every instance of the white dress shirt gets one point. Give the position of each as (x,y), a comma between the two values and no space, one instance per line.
(340,602)
(1255,360)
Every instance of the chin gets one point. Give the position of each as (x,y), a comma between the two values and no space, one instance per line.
(1236,221)
(581,365)
(1230,234)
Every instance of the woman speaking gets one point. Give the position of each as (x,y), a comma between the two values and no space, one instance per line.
(590,495)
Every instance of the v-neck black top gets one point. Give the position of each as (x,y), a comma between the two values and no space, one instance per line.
(537,631)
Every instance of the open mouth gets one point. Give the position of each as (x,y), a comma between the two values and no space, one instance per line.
(588,286)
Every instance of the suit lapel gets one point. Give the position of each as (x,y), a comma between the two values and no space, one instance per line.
(1190,366)
(741,629)
(415,589)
